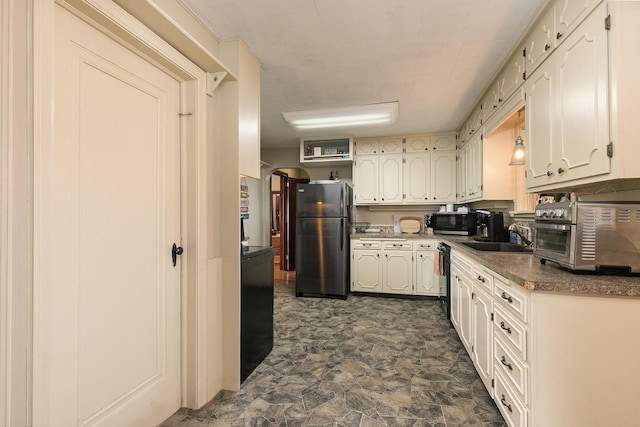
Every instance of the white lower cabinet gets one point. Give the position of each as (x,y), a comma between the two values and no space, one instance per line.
(490,321)
(397,268)
(404,267)
(427,283)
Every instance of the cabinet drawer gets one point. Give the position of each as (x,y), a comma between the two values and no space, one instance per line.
(464,264)
(511,407)
(426,246)
(399,246)
(483,279)
(359,244)
(516,301)
(511,366)
(511,330)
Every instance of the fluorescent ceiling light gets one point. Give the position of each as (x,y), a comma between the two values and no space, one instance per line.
(346,116)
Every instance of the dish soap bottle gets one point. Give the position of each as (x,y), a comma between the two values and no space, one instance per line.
(331,176)
(336,177)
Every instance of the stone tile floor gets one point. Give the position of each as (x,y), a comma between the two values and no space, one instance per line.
(366,361)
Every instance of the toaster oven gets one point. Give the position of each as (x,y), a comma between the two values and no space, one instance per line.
(592,236)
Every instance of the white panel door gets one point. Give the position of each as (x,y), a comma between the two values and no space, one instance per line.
(111,213)
(417,176)
(365,271)
(443,176)
(365,179)
(390,178)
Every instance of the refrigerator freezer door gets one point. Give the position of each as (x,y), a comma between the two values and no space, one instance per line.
(322,257)
(323,200)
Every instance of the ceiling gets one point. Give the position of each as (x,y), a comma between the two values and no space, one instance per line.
(435,57)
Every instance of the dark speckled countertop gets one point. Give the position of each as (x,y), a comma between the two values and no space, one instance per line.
(525,269)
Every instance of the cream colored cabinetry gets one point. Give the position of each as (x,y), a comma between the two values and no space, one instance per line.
(366,269)
(511,347)
(582,104)
(390,178)
(426,282)
(397,268)
(394,266)
(569,14)
(555,118)
(418,169)
(470,160)
(541,41)
(492,325)
(237,56)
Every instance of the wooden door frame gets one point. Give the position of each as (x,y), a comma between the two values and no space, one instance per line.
(201,364)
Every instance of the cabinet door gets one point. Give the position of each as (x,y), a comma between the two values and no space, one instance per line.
(417,177)
(365,271)
(482,336)
(461,174)
(443,176)
(367,146)
(444,142)
(511,77)
(426,282)
(365,180)
(570,13)
(454,297)
(390,167)
(391,146)
(539,115)
(466,308)
(397,272)
(541,41)
(582,112)
(418,143)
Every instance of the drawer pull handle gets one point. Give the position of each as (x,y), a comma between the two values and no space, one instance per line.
(504,403)
(504,362)
(506,328)
(507,297)
(481,279)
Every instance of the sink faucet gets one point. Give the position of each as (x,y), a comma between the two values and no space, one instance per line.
(527,242)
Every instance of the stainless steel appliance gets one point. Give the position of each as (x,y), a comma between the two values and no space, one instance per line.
(458,223)
(323,223)
(591,236)
(444,252)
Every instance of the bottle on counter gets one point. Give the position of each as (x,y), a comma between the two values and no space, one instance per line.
(336,177)
(331,176)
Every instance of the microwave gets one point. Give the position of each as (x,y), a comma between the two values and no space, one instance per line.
(457,223)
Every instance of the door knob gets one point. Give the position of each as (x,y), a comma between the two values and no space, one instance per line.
(175,251)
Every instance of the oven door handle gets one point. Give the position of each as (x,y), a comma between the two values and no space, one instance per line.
(547,226)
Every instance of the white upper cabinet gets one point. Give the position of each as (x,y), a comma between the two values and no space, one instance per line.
(568,108)
(417,169)
(541,41)
(390,146)
(570,13)
(241,61)
(390,179)
(511,78)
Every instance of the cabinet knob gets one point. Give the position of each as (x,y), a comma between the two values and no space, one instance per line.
(374,199)
(426,198)
(549,173)
(481,279)
(546,47)
(560,170)
(558,36)
(375,152)
(381,199)
(382,151)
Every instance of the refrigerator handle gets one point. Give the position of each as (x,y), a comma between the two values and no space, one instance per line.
(341,200)
(341,234)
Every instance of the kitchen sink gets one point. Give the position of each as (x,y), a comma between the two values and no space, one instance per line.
(496,247)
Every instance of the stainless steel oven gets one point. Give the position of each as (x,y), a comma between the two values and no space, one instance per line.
(591,236)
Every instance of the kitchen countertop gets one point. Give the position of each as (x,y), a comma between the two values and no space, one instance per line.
(526,270)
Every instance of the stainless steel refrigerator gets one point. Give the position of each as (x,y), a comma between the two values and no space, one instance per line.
(323,223)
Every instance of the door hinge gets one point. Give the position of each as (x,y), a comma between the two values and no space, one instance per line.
(481,137)
(607,23)
(610,149)
(404,196)
(472,349)
(473,295)
(524,75)
(404,150)
(493,383)
(492,317)
(524,52)
(404,160)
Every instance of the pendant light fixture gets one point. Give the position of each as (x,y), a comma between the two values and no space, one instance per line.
(519,151)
